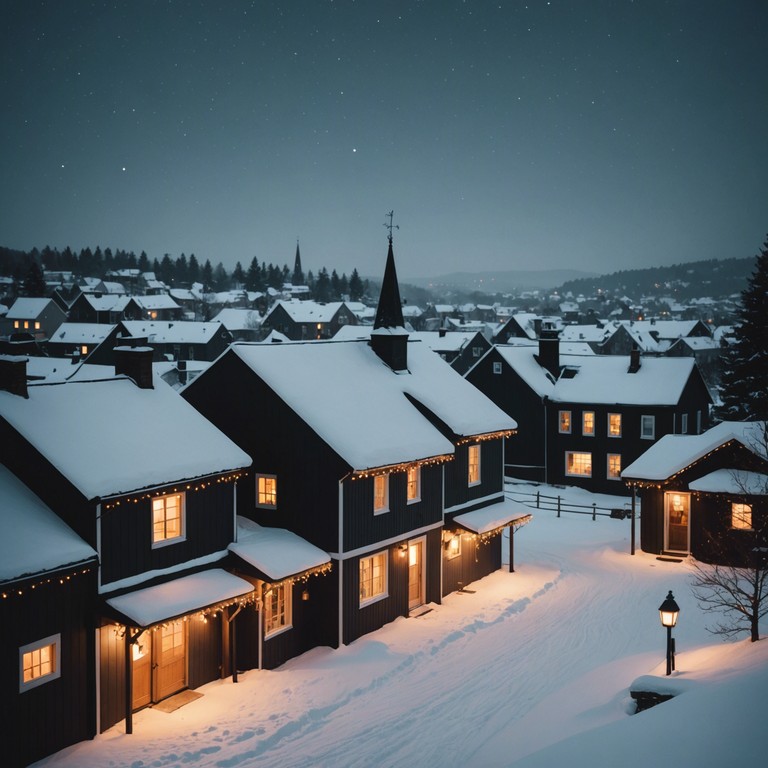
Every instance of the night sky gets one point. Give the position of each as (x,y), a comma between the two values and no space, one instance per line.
(508,135)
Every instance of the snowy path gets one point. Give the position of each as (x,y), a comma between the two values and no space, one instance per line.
(483,679)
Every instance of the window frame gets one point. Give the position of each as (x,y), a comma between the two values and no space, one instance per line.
(384,478)
(496,367)
(182,535)
(608,474)
(478,464)
(284,592)
(574,454)
(384,566)
(744,515)
(683,423)
(584,415)
(452,553)
(564,417)
(652,421)
(265,504)
(45,642)
(417,482)
(611,416)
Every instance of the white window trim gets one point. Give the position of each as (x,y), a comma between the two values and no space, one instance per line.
(479,465)
(497,367)
(608,474)
(683,423)
(652,436)
(560,422)
(182,519)
(608,426)
(453,555)
(55,641)
(256,488)
(287,588)
(584,432)
(381,510)
(417,497)
(385,590)
(578,474)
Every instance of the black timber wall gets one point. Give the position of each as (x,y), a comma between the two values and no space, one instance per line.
(457,488)
(477,559)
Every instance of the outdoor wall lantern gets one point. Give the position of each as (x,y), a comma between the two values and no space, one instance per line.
(668,612)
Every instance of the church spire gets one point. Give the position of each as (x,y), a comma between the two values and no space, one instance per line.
(389,339)
(298,274)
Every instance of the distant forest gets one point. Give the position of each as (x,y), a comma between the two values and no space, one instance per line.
(180,272)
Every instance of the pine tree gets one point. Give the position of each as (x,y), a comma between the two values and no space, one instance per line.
(144,263)
(193,269)
(323,286)
(356,287)
(207,276)
(238,276)
(744,383)
(253,278)
(220,278)
(181,270)
(34,281)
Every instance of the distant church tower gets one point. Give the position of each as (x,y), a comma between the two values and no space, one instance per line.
(389,339)
(298,274)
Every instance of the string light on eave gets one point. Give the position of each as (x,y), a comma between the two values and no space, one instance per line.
(487,436)
(402,467)
(60,580)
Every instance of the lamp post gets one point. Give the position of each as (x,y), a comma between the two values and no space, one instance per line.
(668,612)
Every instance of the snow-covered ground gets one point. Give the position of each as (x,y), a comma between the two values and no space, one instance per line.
(533,669)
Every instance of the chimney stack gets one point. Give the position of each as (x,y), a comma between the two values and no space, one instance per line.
(634,360)
(136,363)
(549,349)
(13,375)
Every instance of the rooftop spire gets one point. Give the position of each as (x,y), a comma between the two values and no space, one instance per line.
(389,313)
(298,274)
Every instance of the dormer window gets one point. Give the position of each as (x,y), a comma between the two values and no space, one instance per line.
(167,519)
(266,491)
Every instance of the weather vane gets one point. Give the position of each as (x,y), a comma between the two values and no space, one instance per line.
(391,226)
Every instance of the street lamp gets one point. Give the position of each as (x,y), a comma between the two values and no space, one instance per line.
(668,612)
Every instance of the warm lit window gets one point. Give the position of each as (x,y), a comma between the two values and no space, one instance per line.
(453,546)
(266,491)
(277,608)
(16,324)
(497,367)
(579,464)
(614,425)
(380,494)
(614,466)
(588,423)
(647,427)
(37,325)
(84,349)
(564,421)
(26,324)
(684,424)
(413,484)
(474,465)
(741,516)
(167,518)
(39,662)
(373,577)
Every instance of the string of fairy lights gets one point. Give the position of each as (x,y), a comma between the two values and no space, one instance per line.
(48,580)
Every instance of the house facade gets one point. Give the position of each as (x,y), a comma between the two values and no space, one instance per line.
(705,495)
(37,317)
(305,320)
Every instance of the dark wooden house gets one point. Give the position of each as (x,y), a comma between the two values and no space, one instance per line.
(91,342)
(47,659)
(150,487)
(583,418)
(350,441)
(705,495)
(37,317)
(108,308)
(306,320)
(180,339)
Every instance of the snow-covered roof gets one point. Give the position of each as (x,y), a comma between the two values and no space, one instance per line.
(351,332)
(26,308)
(588,333)
(107,302)
(173,331)
(157,301)
(698,343)
(34,538)
(673,453)
(180,596)
(493,516)
(278,553)
(234,319)
(733,481)
(451,341)
(663,329)
(358,405)
(309,311)
(81,333)
(602,378)
(56,369)
(111,437)
(111,287)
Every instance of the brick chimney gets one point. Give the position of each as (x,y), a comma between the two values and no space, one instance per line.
(13,375)
(634,360)
(549,350)
(136,363)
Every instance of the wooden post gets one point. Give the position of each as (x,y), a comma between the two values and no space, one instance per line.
(594,511)
(128,681)
(632,538)
(511,548)
(233,640)
(558,506)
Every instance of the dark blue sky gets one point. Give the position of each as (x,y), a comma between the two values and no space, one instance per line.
(579,134)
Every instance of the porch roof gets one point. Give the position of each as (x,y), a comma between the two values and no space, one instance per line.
(276,552)
(152,605)
(494,516)
(732,481)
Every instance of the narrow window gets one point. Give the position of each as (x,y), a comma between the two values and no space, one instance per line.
(578,464)
(684,424)
(167,519)
(26,325)
(564,422)
(588,423)
(37,325)
(39,662)
(614,466)
(477,351)
(453,546)
(414,484)
(380,494)
(16,326)
(373,577)
(277,608)
(698,422)
(474,465)
(741,516)
(266,491)
(497,367)
(84,349)
(614,425)
(647,427)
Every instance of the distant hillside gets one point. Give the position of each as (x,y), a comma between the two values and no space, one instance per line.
(716,278)
(513,281)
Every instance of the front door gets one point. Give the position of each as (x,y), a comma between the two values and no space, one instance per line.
(415,574)
(677,515)
(142,670)
(170,660)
